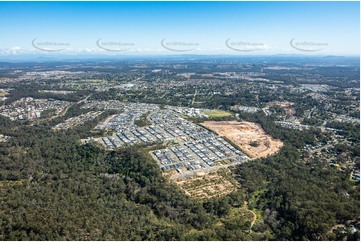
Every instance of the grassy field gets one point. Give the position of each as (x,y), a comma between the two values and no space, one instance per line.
(217,113)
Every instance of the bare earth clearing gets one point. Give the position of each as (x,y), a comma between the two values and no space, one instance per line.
(249,137)
(209,185)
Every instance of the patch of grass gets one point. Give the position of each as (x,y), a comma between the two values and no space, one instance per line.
(255,196)
(240,212)
(217,113)
(143,121)
(258,214)
(238,218)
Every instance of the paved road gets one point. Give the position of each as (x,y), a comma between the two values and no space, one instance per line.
(194,97)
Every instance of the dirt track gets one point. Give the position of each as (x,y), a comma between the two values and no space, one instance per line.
(249,137)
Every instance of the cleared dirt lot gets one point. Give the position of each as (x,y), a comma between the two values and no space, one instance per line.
(249,137)
(204,186)
(287,106)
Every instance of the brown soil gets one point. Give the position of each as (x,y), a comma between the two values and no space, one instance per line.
(243,134)
(206,186)
(287,106)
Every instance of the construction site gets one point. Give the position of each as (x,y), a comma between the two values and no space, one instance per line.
(249,137)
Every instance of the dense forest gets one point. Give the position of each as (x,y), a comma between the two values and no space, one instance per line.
(54,188)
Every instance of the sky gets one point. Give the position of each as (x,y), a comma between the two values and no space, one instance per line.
(151,28)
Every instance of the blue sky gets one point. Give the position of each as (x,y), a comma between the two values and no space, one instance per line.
(200,27)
